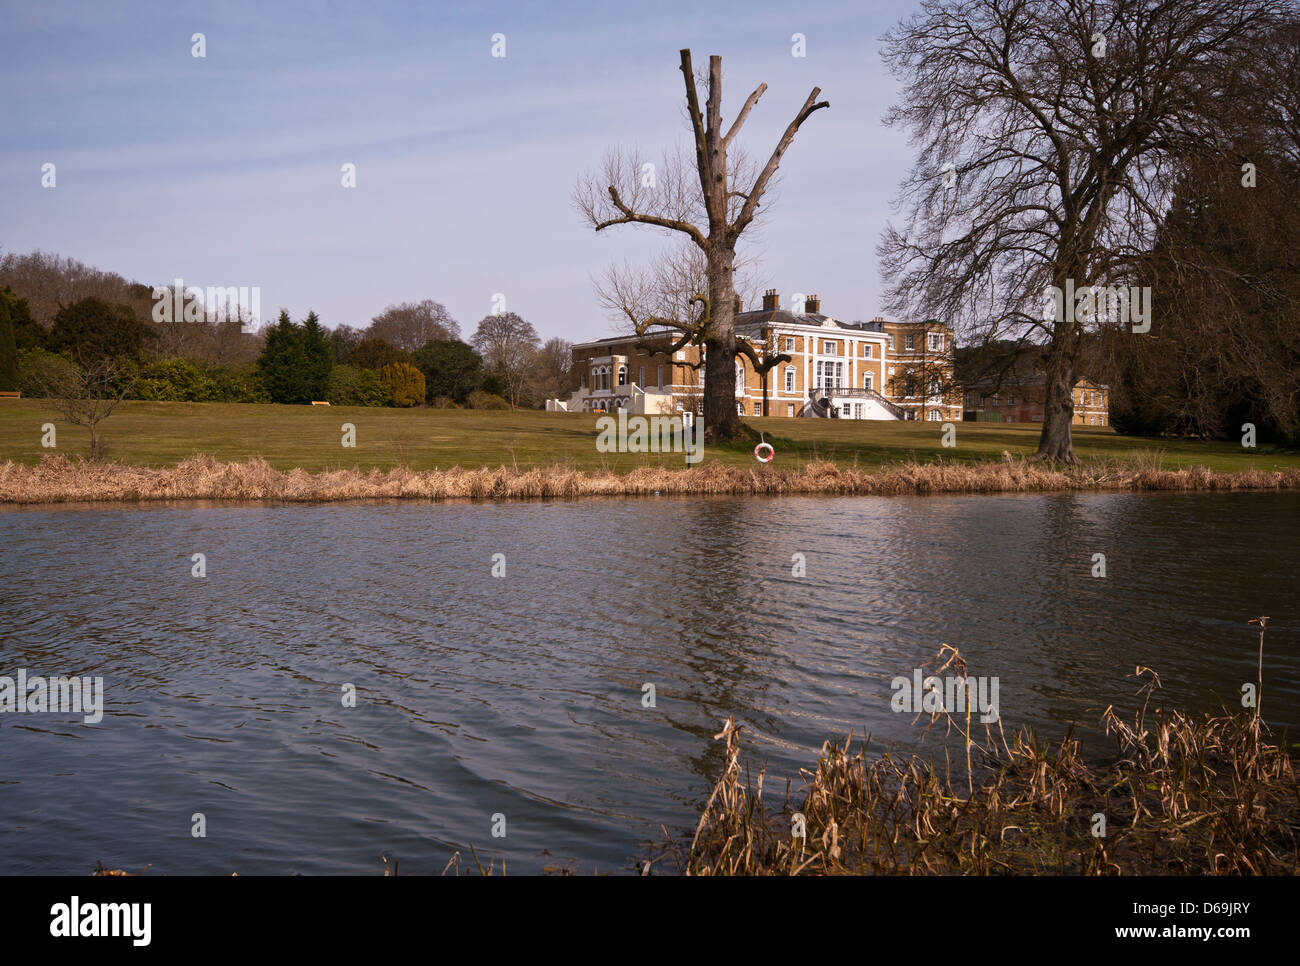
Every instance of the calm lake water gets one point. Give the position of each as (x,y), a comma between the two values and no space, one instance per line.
(522,694)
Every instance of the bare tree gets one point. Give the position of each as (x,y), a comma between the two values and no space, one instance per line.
(85,394)
(661,298)
(548,377)
(411,324)
(764,357)
(712,210)
(48,281)
(508,345)
(1048,135)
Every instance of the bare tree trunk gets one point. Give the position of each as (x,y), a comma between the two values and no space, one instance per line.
(1056,442)
(720,419)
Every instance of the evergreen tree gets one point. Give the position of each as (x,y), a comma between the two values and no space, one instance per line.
(282,365)
(8,351)
(28,333)
(318,358)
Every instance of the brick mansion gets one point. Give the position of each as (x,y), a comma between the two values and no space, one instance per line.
(848,370)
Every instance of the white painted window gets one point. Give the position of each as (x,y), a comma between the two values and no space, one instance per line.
(830,375)
(866,350)
(622,375)
(758,409)
(868,380)
(661,376)
(789,409)
(934,416)
(789,344)
(936,341)
(740,380)
(789,378)
(909,341)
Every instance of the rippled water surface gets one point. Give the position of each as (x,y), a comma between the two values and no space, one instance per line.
(522,695)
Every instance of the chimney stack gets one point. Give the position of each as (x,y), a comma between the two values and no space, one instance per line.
(812,305)
(771,300)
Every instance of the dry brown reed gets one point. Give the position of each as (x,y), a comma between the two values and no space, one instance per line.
(1181,796)
(57,479)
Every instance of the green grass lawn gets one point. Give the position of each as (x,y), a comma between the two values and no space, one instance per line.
(160,434)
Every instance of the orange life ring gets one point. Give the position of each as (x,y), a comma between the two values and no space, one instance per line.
(771,453)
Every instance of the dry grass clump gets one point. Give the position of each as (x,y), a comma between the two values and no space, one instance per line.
(57,479)
(1182,796)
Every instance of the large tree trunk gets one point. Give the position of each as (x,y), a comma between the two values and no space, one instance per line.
(1056,442)
(720,419)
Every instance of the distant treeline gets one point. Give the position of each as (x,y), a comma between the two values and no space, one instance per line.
(59,317)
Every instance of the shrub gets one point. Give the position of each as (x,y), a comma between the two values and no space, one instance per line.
(405,383)
(237,385)
(184,380)
(39,371)
(479,399)
(173,380)
(350,386)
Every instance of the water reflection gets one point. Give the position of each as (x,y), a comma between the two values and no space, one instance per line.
(522,695)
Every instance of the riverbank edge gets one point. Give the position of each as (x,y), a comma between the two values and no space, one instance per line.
(57,479)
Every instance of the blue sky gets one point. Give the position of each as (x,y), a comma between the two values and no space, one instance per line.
(225,170)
